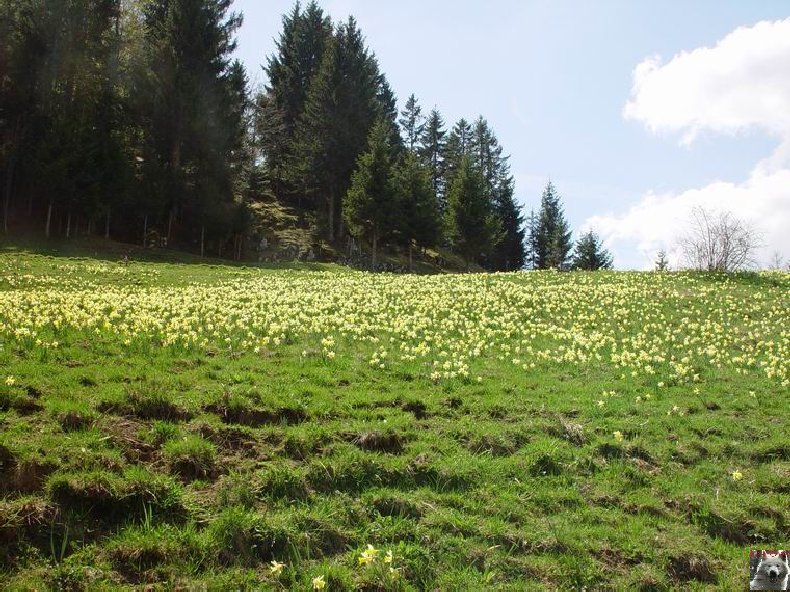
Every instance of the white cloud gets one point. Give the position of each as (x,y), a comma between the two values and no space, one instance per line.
(657,221)
(740,84)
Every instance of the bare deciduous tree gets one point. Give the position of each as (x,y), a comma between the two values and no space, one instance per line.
(719,241)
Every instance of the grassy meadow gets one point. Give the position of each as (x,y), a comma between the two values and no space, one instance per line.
(179,426)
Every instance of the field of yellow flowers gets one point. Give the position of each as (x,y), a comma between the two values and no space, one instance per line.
(219,427)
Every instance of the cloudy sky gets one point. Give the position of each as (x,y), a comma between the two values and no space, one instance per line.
(636,111)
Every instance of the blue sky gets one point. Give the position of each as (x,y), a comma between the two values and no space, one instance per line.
(553,79)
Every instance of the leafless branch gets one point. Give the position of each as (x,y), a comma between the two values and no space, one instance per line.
(718,241)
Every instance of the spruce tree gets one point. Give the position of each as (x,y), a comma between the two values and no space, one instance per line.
(368,206)
(552,237)
(509,253)
(459,144)
(472,225)
(189,43)
(412,123)
(417,211)
(300,51)
(590,255)
(432,152)
(487,153)
(346,96)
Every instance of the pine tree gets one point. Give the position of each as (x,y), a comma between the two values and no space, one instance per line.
(432,152)
(387,110)
(553,236)
(344,101)
(58,107)
(418,214)
(412,123)
(368,205)
(459,145)
(189,46)
(509,254)
(300,50)
(472,225)
(590,255)
(487,153)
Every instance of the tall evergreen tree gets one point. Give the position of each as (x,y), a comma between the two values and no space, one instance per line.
(387,110)
(189,46)
(553,236)
(473,226)
(509,253)
(432,152)
(57,106)
(368,205)
(487,153)
(459,144)
(590,255)
(417,210)
(300,51)
(344,100)
(412,123)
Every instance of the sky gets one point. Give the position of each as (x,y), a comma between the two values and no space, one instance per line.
(636,111)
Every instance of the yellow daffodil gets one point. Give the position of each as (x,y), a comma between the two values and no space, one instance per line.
(276,568)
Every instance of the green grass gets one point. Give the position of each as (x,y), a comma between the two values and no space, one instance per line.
(185,424)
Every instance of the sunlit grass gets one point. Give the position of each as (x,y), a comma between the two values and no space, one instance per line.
(200,424)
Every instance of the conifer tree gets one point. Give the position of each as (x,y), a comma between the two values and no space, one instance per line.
(343,102)
(459,144)
(553,236)
(300,51)
(472,225)
(412,123)
(432,153)
(368,205)
(487,153)
(590,255)
(417,211)
(189,46)
(509,253)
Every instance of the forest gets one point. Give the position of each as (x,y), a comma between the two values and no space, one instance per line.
(131,120)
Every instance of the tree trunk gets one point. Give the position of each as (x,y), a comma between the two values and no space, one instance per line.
(341,224)
(241,244)
(219,250)
(202,240)
(175,164)
(68,225)
(49,219)
(375,239)
(170,218)
(9,183)
(331,215)
(411,261)
(107,225)
(145,230)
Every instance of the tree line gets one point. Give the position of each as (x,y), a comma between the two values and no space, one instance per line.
(131,119)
